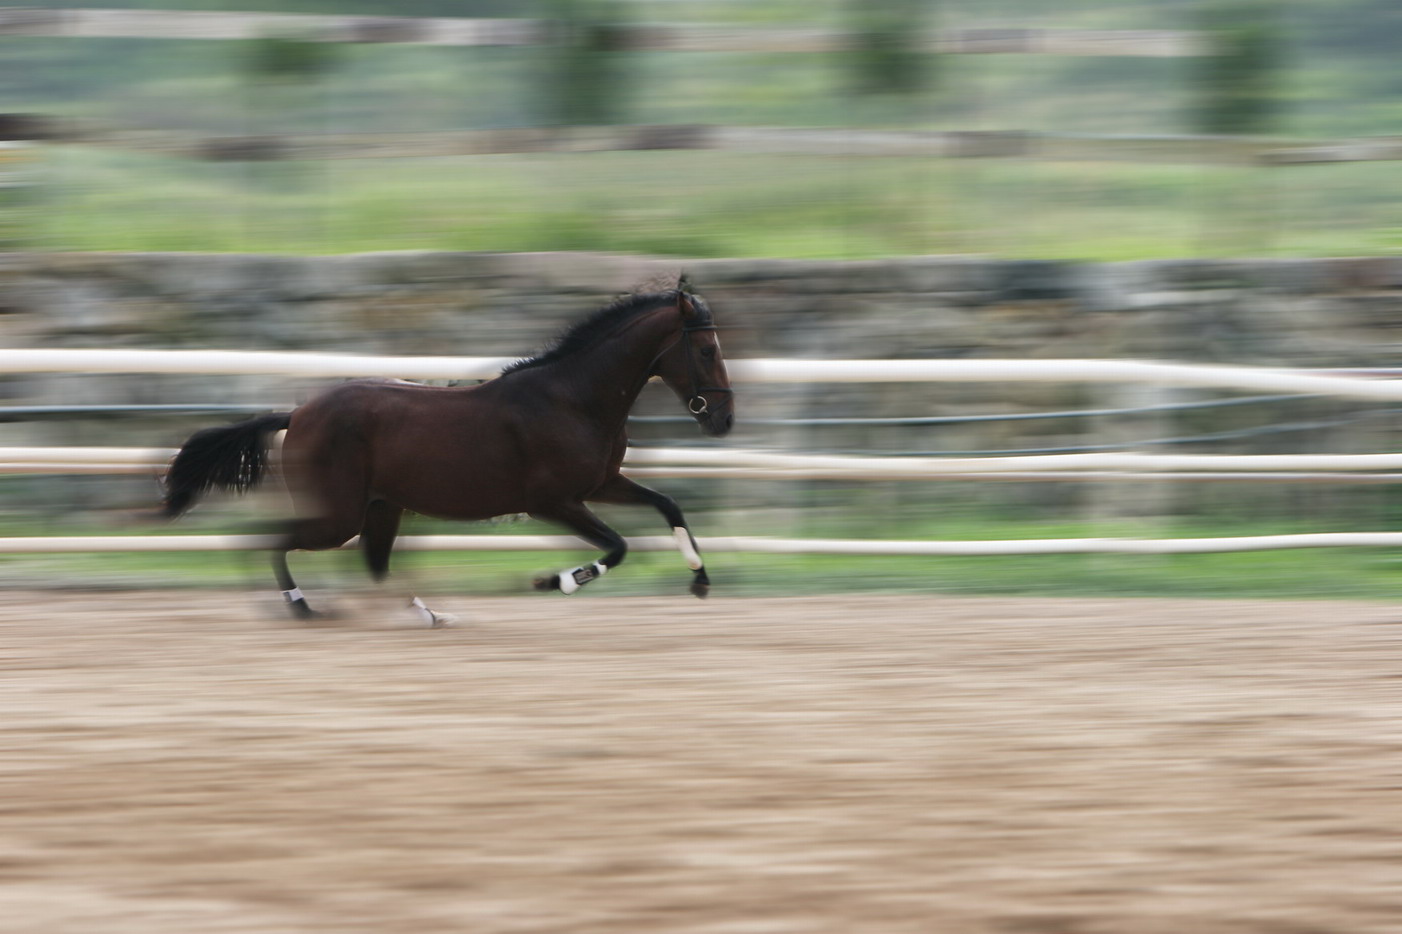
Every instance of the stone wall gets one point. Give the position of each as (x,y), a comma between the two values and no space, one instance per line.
(1303,312)
(1332,312)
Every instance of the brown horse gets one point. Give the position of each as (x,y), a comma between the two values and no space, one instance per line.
(543,438)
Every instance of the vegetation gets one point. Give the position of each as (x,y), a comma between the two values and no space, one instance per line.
(1371,574)
(711,205)
(1238,82)
(582,78)
(1282,65)
(888,35)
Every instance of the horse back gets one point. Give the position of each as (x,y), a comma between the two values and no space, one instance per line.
(457,453)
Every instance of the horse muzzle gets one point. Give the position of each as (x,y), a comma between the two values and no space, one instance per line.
(719,424)
(715,421)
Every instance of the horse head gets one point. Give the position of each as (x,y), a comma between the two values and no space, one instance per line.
(694,368)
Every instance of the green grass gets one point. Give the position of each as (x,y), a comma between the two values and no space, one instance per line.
(713,205)
(1374,574)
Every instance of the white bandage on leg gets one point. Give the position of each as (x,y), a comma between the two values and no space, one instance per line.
(424,613)
(293,595)
(688,550)
(575,578)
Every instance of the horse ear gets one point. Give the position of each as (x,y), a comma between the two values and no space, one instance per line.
(686,306)
(684,303)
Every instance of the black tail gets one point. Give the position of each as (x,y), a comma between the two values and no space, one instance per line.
(231,457)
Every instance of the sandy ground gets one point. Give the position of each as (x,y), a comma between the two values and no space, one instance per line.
(177,763)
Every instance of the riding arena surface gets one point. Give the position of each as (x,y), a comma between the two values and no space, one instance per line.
(180,762)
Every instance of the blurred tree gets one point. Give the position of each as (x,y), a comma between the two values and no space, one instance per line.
(1238,81)
(1238,93)
(286,60)
(888,45)
(583,78)
(286,82)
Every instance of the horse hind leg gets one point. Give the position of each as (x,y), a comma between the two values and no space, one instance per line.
(377,540)
(306,535)
(291,594)
(327,475)
(377,536)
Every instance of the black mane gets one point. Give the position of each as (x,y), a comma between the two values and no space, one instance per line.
(579,336)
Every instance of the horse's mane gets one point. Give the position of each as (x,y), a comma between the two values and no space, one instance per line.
(583,334)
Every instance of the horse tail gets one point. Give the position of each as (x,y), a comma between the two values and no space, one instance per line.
(230,457)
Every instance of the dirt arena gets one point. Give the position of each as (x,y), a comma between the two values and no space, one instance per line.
(175,762)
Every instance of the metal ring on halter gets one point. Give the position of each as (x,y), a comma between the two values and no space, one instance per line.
(691,405)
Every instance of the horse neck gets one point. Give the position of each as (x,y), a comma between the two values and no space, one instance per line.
(605,380)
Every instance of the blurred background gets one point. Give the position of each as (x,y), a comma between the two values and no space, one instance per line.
(1003,179)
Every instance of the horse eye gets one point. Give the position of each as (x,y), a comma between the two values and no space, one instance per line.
(708,352)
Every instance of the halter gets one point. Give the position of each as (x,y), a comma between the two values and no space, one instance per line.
(697,404)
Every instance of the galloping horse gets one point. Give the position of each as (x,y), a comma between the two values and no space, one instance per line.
(543,438)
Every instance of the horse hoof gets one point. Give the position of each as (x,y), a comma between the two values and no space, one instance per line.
(430,618)
(547,583)
(434,619)
(700,583)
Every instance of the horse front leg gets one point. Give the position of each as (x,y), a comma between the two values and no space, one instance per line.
(621,491)
(578,519)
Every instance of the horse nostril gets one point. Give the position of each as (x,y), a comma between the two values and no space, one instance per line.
(729,420)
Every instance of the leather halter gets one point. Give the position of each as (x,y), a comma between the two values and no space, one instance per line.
(697,404)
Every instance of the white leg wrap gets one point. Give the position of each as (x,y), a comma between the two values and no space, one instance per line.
(293,595)
(423,612)
(688,550)
(429,618)
(575,578)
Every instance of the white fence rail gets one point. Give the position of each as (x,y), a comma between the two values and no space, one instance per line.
(733,463)
(774,546)
(759,370)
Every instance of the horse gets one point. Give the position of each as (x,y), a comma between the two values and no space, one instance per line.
(543,438)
